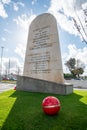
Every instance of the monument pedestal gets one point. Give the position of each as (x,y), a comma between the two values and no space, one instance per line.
(37,85)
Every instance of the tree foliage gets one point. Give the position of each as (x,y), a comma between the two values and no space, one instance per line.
(76,67)
(71,63)
(68,76)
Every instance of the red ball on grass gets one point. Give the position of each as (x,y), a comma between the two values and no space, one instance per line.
(51,105)
(15,88)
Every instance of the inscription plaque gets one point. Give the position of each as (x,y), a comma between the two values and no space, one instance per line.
(43,57)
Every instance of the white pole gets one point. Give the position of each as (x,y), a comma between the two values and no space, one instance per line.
(1,59)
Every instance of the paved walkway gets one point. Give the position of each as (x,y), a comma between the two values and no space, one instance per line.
(6,86)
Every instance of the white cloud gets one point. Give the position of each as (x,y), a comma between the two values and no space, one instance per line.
(84,6)
(20,50)
(24,20)
(65,23)
(20,3)
(17,4)
(45,6)
(68,7)
(7,31)
(74,52)
(3,39)
(65,10)
(21,41)
(78,53)
(2,11)
(6,1)
(15,7)
(33,2)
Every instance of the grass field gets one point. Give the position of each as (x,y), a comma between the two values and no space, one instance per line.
(23,111)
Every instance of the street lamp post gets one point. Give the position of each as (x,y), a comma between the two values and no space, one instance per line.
(1,59)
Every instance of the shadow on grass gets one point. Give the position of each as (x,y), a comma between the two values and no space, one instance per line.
(27,114)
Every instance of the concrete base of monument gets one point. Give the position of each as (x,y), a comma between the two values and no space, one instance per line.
(37,85)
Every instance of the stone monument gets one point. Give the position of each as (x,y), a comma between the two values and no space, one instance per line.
(43,57)
(43,63)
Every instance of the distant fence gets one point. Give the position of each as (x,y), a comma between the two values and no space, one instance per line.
(78,83)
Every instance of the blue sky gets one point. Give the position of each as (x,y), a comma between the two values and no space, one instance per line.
(15,19)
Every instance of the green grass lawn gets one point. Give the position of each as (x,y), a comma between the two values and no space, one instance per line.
(23,111)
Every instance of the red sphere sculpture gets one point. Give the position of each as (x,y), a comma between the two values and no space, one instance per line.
(15,88)
(51,105)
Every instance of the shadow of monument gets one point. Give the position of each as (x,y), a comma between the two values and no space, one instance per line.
(26,113)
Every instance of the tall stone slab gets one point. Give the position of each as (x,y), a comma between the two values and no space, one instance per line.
(43,56)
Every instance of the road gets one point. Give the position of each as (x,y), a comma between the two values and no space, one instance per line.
(6,86)
(80,84)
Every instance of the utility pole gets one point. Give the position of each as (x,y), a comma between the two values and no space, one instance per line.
(9,68)
(1,59)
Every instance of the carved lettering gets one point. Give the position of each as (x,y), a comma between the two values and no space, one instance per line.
(41,38)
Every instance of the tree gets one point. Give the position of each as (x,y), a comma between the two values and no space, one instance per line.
(76,67)
(77,72)
(68,76)
(71,63)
